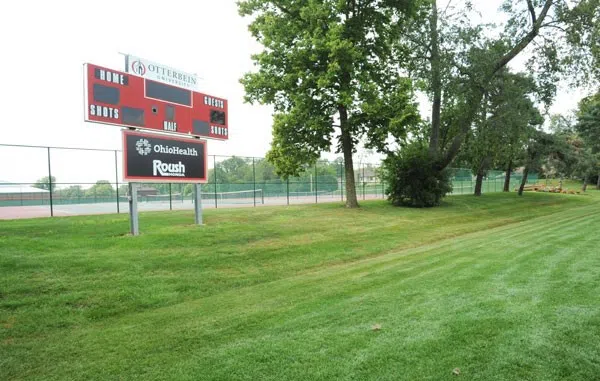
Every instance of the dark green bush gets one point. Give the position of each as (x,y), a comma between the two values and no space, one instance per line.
(412,178)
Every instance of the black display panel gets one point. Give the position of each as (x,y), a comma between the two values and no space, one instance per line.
(168,93)
(106,94)
(217,117)
(133,116)
(201,127)
(170,113)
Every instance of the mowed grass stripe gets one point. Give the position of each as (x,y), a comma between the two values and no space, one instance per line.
(82,264)
(459,302)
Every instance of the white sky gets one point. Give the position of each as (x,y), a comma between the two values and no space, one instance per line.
(45,44)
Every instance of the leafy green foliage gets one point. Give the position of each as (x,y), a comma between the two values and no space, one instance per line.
(412,178)
(44,183)
(238,170)
(559,36)
(324,60)
(73,191)
(102,188)
(507,118)
(588,121)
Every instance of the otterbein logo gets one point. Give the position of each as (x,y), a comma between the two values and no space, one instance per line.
(138,68)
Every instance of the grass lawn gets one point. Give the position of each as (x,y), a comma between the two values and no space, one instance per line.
(501,287)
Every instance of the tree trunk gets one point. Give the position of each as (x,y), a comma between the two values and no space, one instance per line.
(483,165)
(436,82)
(524,181)
(479,182)
(507,177)
(585,183)
(464,122)
(351,200)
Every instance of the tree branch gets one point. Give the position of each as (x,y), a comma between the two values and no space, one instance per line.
(553,26)
(447,6)
(532,11)
(286,11)
(525,40)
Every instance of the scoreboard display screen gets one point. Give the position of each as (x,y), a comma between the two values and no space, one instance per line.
(119,98)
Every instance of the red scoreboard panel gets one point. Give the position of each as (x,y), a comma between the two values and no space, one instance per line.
(118,98)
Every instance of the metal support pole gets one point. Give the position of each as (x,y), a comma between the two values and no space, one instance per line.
(133,209)
(117,181)
(215,171)
(50,187)
(288,190)
(364,197)
(198,203)
(170,197)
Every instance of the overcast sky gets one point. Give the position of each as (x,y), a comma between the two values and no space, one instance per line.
(45,44)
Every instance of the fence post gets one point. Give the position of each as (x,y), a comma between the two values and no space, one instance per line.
(50,184)
(364,197)
(215,171)
(342,182)
(170,197)
(288,190)
(254,181)
(117,181)
(316,192)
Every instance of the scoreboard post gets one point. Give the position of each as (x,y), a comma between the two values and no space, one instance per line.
(172,117)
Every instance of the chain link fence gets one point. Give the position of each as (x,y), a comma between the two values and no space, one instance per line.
(59,181)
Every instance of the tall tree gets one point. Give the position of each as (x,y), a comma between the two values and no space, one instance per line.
(588,125)
(539,146)
(561,36)
(515,116)
(507,117)
(326,60)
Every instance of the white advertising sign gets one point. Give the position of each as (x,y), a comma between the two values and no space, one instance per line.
(160,73)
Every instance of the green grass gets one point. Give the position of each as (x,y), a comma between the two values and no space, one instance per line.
(504,288)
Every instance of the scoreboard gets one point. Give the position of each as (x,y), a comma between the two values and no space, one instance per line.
(122,99)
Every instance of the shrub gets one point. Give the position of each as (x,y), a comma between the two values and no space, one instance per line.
(412,178)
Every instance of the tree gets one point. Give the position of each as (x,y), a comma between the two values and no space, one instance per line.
(102,188)
(515,116)
(539,146)
(458,63)
(586,167)
(506,119)
(588,125)
(74,191)
(325,60)
(44,183)
(236,170)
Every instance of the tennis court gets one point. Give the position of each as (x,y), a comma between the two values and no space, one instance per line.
(175,201)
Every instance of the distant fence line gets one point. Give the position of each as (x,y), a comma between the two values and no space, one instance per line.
(231,180)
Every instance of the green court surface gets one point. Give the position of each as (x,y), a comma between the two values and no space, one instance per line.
(501,287)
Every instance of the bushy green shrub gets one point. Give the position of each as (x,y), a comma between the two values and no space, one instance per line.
(412,178)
